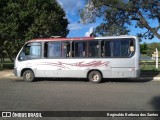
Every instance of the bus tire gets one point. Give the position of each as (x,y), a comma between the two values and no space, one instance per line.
(95,77)
(28,76)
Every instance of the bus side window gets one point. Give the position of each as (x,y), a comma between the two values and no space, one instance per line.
(80,49)
(45,50)
(93,47)
(117,48)
(68,49)
(72,49)
(131,48)
(102,48)
(65,49)
(54,49)
(107,49)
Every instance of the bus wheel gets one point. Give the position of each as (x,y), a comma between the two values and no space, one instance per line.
(95,77)
(28,76)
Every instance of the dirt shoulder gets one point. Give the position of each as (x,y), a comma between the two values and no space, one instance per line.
(7,74)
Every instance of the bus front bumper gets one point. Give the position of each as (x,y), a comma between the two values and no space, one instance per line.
(16,72)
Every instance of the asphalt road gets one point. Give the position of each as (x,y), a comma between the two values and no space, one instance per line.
(77,95)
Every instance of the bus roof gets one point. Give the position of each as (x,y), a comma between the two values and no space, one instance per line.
(79,38)
(61,39)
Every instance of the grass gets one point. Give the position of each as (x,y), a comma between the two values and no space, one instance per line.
(149,66)
(7,64)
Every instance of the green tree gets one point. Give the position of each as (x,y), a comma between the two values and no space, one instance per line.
(151,48)
(118,15)
(21,20)
(143,48)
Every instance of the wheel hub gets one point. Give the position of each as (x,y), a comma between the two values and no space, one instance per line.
(28,76)
(95,77)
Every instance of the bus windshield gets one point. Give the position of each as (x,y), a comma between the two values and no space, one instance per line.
(31,51)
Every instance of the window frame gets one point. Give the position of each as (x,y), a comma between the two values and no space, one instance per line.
(112,47)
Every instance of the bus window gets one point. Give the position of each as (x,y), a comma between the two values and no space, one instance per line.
(72,49)
(131,48)
(80,49)
(46,50)
(65,47)
(54,49)
(125,48)
(31,51)
(107,49)
(118,48)
(57,49)
(68,46)
(93,47)
(63,50)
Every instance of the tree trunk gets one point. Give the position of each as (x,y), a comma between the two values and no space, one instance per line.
(9,55)
(146,25)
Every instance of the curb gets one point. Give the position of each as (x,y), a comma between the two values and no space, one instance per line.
(150,78)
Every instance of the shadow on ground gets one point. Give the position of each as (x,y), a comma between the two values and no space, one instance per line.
(144,73)
(155,102)
(86,80)
(150,73)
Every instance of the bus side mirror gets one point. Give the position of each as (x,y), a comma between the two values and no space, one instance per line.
(21,58)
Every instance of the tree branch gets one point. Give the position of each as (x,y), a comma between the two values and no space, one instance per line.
(146,25)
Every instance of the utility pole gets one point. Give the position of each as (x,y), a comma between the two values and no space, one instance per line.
(156,58)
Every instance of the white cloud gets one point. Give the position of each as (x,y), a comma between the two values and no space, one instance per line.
(79,26)
(71,6)
(87,34)
(75,26)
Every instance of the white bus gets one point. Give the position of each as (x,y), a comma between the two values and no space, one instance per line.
(89,57)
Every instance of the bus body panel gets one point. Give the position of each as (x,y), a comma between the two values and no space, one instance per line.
(79,67)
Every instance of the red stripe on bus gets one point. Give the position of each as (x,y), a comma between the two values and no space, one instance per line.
(61,39)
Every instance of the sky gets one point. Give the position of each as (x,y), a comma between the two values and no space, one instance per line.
(77,29)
